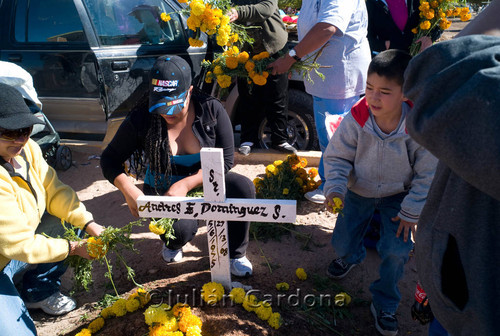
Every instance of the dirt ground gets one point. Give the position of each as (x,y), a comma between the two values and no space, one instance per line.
(274,262)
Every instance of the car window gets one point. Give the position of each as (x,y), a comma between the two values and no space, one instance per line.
(120,22)
(48,21)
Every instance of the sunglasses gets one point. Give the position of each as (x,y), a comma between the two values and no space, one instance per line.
(13,135)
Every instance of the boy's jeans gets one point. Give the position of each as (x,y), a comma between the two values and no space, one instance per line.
(333,106)
(38,283)
(347,240)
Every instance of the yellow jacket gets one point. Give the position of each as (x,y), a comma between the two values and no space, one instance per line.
(20,212)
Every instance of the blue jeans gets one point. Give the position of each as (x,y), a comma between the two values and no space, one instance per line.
(347,240)
(333,106)
(38,283)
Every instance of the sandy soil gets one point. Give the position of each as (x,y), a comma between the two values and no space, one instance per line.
(274,261)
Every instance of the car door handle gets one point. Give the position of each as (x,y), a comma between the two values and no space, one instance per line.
(120,65)
(15,58)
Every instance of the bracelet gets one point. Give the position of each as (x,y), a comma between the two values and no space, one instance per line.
(70,248)
(84,229)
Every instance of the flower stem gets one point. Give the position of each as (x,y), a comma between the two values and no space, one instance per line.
(262,252)
(110,276)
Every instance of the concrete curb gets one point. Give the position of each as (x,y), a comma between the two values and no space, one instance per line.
(258,156)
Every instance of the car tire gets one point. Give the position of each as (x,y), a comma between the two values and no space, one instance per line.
(300,126)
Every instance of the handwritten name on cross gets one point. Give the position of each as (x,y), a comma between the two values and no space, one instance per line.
(216,209)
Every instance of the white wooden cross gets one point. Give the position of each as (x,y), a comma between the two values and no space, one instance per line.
(216,209)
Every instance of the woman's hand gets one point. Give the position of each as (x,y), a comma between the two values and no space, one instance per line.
(179,189)
(281,65)
(233,15)
(94,229)
(330,202)
(131,196)
(79,248)
(425,42)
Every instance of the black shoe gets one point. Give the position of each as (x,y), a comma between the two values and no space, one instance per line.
(285,147)
(338,269)
(385,323)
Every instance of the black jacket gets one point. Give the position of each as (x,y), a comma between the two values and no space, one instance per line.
(381,27)
(211,127)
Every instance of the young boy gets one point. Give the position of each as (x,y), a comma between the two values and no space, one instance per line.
(372,163)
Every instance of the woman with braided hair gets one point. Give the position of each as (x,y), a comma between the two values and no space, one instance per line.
(180,121)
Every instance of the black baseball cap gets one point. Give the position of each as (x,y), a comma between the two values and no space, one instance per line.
(14,113)
(170,79)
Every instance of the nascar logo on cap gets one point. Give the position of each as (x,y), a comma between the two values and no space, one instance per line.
(165,83)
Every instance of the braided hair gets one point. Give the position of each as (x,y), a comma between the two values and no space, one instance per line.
(157,149)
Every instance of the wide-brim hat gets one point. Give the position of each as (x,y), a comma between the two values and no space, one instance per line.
(170,80)
(14,113)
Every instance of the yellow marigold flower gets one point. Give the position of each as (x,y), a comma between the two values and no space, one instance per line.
(189,320)
(282,286)
(264,311)
(96,248)
(119,307)
(132,305)
(208,77)
(107,312)
(176,309)
(232,62)
(434,4)
(197,7)
(270,168)
(218,70)
(441,14)
(256,181)
(264,54)
(165,17)
(250,303)
(193,22)
(456,11)
(161,330)
(299,181)
(156,229)
(144,296)
(313,172)
(96,325)
(464,10)
(414,30)
(302,173)
(233,38)
(155,315)
(277,162)
(237,295)
(170,323)
(243,57)
(224,81)
(212,292)
(84,332)
(293,159)
(449,12)
(303,162)
(222,39)
(300,273)
(429,15)
(286,191)
(265,74)
(249,66)
(465,17)
(195,43)
(259,80)
(193,330)
(224,20)
(182,1)
(342,299)
(275,320)
(425,25)
(444,24)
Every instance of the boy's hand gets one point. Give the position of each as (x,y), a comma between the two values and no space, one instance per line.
(334,202)
(407,226)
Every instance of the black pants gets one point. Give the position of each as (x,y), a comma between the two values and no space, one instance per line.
(237,186)
(268,101)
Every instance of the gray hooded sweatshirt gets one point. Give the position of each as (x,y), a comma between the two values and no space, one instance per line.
(455,86)
(362,159)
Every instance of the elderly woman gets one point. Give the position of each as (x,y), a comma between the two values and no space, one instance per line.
(179,122)
(31,196)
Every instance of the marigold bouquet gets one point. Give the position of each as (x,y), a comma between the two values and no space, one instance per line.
(287,179)
(233,63)
(433,15)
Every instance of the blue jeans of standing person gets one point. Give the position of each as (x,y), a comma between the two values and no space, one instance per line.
(38,283)
(347,240)
(322,106)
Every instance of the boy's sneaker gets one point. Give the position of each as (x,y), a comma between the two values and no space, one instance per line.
(56,304)
(245,148)
(385,323)
(285,147)
(315,196)
(338,269)
(171,255)
(241,267)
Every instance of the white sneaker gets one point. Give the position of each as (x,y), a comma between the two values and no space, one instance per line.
(56,304)
(171,255)
(315,196)
(241,267)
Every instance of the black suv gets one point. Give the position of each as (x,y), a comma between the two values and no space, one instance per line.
(90,58)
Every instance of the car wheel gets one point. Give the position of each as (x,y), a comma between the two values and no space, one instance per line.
(300,123)
(63,158)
